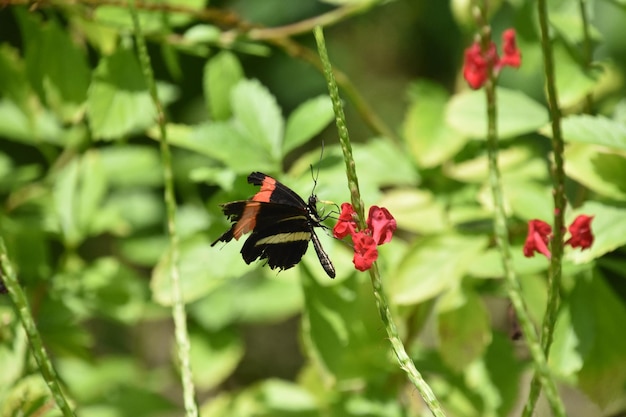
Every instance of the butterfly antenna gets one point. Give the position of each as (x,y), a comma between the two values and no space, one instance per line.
(316,175)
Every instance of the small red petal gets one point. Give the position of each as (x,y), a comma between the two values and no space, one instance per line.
(539,234)
(365,252)
(512,56)
(346,224)
(580,229)
(381,223)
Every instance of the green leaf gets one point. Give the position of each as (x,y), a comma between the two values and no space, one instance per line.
(118,102)
(464,331)
(258,118)
(404,203)
(432,266)
(13,82)
(226,144)
(32,128)
(156,20)
(608,228)
(64,195)
(221,74)
(600,170)
(571,81)
(378,155)
(196,279)
(142,165)
(306,121)
(489,264)
(598,318)
(249,299)
(429,138)
(214,357)
(596,130)
(56,67)
(517,114)
(26,398)
(341,327)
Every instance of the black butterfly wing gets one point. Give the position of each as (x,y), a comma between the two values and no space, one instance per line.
(280,222)
(280,232)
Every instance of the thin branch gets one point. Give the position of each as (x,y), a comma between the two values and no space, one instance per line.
(22,310)
(404,360)
(178,306)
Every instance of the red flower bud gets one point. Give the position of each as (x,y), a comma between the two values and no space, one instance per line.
(539,234)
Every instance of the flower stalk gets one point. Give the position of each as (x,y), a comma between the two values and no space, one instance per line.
(178,306)
(403,358)
(8,278)
(481,69)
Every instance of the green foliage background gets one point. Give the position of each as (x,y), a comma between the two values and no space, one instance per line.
(83,213)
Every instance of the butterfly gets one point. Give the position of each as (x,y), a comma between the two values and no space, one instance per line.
(281,222)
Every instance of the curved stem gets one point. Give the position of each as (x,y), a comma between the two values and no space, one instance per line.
(178,306)
(9,278)
(406,364)
(558,178)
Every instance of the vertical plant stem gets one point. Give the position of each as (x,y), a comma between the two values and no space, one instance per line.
(39,351)
(404,360)
(178,307)
(558,178)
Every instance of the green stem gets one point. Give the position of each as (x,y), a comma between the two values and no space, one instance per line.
(178,307)
(404,360)
(39,351)
(558,178)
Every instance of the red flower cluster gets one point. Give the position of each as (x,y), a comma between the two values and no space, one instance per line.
(540,233)
(380,228)
(479,63)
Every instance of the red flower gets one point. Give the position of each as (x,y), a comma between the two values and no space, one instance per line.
(580,229)
(475,68)
(380,228)
(365,252)
(479,64)
(346,224)
(381,223)
(539,233)
(512,56)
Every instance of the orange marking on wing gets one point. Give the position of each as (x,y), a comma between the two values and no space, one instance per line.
(247,222)
(267,188)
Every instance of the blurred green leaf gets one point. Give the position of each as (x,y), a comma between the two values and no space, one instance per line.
(429,138)
(596,130)
(118,102)
(197,279)
(41,126)
(597,318)
(600,170)
(258,118)
(306,121)
(572,83)
(464,331)
(142,165)
(155,20)
(489,264)
(249,299)
(341,328)
(268,398)
(56,66)
(432,266)
(406,204)
(13,82)
(223,142)
(221,73)
(27,398)
(214,357)
(517,114)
